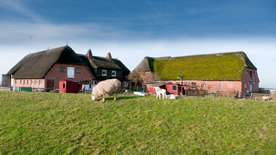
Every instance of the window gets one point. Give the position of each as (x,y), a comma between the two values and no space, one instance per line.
(70,72)
(125,84)
(78,70)
(40,82)
(193,84)
(219,85)
(27,81)
(104,73)
(251,75)
(62,69)
(245,86)
(174,88)
(23,81)
(94,82)
(32,82)
(35,82)
(113,73)
(20,81)
(14,81)
(203,85)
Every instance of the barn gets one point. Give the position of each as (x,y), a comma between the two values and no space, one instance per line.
(229,73)
(44,70)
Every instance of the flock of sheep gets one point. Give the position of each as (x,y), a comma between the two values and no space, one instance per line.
(112,86)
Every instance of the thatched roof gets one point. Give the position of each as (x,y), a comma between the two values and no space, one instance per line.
(124,69)
(36,65)
(101,62)
(220,66)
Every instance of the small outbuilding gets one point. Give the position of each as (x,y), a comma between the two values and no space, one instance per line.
(176,89)
(66,86)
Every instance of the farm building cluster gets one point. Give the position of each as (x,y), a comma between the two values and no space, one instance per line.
(44,70)
(231,74)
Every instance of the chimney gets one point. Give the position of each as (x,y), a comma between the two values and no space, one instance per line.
(108,57)
(89,54)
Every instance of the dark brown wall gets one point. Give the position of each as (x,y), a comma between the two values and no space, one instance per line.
(109,76)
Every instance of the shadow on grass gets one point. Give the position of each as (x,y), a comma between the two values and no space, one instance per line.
(122,97)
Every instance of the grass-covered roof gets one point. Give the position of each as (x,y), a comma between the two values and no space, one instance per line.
(221,66)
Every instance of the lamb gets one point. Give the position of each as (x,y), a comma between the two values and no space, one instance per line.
(107,87)
(172,97)
(160,92)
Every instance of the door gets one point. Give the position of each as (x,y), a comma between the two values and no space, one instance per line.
(183,91)
(50,84)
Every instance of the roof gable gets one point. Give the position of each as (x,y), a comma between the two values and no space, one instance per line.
(221,66)
(36,65)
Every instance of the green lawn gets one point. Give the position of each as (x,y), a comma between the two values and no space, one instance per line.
(49,123)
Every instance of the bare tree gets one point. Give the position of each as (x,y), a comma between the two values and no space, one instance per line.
(135,77)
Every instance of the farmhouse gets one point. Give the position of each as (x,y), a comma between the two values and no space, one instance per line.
(44,70)
(231,73)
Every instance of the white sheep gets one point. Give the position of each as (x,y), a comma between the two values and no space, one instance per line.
(266,98)
(160,92)
(172,97)
(107,87)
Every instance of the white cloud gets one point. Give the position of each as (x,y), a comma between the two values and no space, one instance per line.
(20,8)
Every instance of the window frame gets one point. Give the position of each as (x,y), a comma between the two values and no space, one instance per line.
(219,85)
(250,75)
(125,84)
(104,70)
(78,70)
(62,69)
(113,71)
(174,87)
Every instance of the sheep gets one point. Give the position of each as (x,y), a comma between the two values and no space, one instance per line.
(107,87)
(172,97)
(160,92)
(266,98)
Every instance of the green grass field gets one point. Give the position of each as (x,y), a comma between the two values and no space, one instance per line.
(49,123)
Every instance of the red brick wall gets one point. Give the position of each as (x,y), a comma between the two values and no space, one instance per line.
(247,81)
(56,75)
(212,86)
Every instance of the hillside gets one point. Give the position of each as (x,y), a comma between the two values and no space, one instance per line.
(48,123)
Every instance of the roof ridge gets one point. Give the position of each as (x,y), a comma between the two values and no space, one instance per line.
(222,53)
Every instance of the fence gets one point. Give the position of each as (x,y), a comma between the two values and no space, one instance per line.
(259,96)
(4,88)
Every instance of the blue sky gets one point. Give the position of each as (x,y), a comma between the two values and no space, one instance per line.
(132,29)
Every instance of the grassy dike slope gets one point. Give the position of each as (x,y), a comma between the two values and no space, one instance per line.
(48,123)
